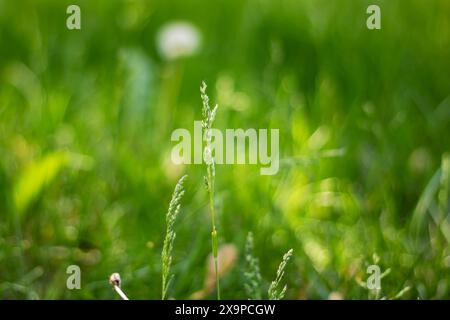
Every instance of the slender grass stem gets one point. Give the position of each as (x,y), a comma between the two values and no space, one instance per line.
(209,115)
(214,240)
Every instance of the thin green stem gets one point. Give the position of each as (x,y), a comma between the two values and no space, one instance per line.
(208,119)
(214,240)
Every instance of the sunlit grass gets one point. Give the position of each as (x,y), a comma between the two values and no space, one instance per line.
(85,122)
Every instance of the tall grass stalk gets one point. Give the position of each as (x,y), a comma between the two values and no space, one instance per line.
(209,115)
(166,256)
(274,291)
(252,273)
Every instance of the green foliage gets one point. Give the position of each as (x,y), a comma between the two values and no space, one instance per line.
(35,177)
(85,124)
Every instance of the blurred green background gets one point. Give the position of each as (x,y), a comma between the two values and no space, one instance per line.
(364,118)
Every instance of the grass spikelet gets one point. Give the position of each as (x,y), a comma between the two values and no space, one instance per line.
(166,256)
(209,115)
(274,290)
(252,273)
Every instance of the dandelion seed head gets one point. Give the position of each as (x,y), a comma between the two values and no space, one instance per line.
(178,39)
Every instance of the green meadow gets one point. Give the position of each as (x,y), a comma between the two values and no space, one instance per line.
(86,174)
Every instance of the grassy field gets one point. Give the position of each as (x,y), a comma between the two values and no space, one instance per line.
(86,175)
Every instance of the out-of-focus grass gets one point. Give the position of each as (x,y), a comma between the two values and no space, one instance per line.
(364,118)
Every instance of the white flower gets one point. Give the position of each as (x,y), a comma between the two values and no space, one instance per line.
(178,39)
